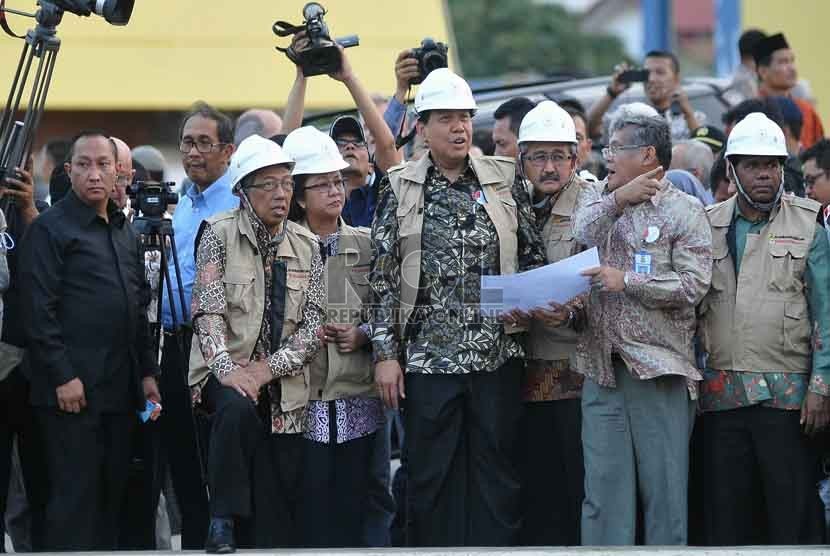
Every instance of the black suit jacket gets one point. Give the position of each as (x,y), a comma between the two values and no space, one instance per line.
(84,297)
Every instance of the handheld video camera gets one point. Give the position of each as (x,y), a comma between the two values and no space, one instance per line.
(321,56)
(151,198)
(431,55)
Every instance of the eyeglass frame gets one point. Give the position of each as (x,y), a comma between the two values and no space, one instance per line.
(339,185)
(548,157)
(360,144)
(810,181)
(610,152)
(287,185)
(211,146)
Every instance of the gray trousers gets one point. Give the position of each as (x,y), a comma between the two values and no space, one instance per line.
(635,439)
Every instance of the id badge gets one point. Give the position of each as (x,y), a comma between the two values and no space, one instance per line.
(642,262)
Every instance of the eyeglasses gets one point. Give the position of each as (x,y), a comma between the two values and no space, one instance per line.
(286,185)
(325,187)
(202,146)
(810,181)
(540,159)
(122,180)
(612,151)
(342,143)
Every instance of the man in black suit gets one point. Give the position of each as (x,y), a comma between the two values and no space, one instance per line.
(84,298)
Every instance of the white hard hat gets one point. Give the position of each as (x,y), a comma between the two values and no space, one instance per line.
(756,135)
(547,122)
(444,90)
(255,152)
(313,152)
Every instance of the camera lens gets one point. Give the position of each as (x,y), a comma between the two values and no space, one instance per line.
(434,61)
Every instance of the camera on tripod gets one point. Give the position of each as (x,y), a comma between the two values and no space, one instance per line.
(116,12)
(151,198)
(431,55)
(321,56)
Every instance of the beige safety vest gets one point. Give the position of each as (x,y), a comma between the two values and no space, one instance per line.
(244,282)
(553,344)
(760,321)
(336,375)
(495,174)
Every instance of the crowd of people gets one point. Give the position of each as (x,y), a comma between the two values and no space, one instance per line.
(250,352)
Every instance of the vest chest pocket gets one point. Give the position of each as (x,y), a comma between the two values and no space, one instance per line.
(788,260)
(409,217)
(238,289)
(359,281)
(294,300)
(559,243)
(722,268)
(796,327)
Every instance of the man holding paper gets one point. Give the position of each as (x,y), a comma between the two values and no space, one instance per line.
(637,357)
(552,389)
(442,222)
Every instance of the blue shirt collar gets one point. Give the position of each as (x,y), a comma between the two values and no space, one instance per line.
(216,188)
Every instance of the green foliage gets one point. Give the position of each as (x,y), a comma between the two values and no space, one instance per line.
(499,37)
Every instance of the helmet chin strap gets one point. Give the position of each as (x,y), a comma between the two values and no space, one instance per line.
(762,207)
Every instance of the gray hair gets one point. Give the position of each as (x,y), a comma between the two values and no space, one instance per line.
(694,155)
(650,131)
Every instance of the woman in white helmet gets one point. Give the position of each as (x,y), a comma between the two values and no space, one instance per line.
(343,411)
(258,305)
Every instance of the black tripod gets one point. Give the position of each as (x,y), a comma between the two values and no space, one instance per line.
(155,234)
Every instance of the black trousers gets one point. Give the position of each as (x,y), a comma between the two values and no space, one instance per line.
(17,421)
(88,458)
(461,437)
(179,443)
(760,475)
(144,482)
(255,477)
(335,498)
(552,473)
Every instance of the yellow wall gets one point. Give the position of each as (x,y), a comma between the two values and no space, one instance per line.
(222,51)
(804,23)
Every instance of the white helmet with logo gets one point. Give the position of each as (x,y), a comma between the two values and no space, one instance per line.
(547,122)
(444,90)
(254,153)
(756,135)
(313,152)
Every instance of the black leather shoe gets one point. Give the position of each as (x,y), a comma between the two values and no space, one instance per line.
(220,537)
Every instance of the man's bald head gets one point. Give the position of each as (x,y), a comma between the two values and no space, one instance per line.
(694,157)
(256,121)
(125,172)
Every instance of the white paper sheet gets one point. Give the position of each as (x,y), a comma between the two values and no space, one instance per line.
(559,282)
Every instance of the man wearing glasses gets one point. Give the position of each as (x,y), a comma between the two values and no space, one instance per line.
(206,144)
(636,354)
(548,149)
(816,168)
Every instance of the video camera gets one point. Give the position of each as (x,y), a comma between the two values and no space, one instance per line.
(116,12)
(151,198)
(431,55)
(321,56)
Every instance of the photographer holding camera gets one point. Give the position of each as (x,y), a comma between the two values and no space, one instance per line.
(363,175)
(661,81)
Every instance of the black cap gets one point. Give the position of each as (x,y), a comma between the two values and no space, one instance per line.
(765,47)
(347,124)
(712,136)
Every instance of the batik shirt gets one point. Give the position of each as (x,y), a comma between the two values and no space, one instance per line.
(210,327)
(446,333)
(650,324)
(725,389)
